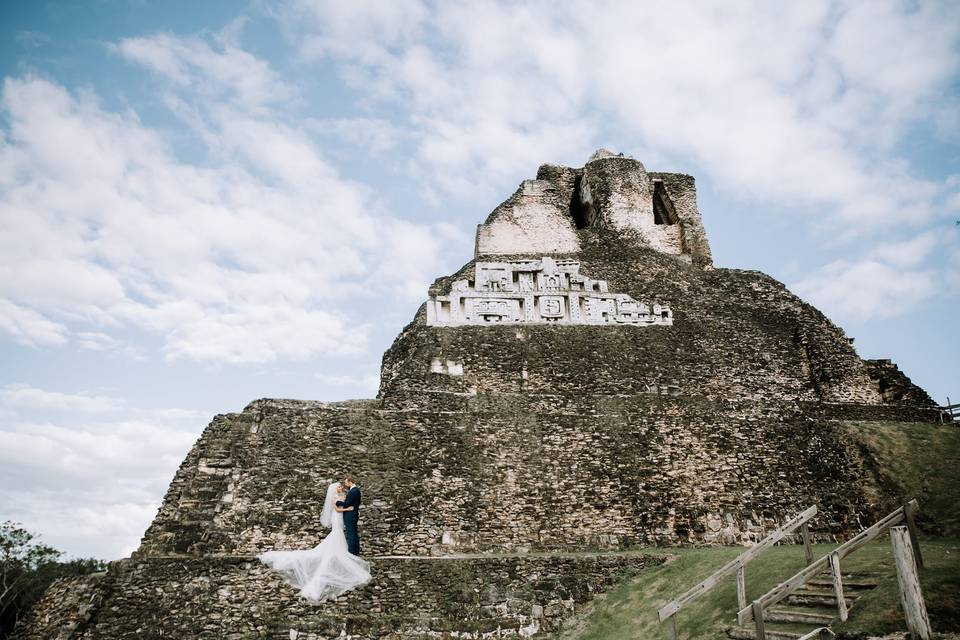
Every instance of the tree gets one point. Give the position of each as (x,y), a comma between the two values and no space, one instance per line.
(27,568)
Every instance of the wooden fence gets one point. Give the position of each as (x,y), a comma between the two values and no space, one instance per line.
(831,562)
(950,413)
(738,564)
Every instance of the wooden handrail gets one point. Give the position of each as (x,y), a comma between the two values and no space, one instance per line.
(784,589)
(951,410)
(736,564)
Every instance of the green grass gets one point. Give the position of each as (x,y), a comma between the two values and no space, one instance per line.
(878,611)
(630,609)
(918,460)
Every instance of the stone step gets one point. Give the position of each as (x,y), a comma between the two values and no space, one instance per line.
(815,589)
(780,614)
(816,600)
(854,584)
(750,633)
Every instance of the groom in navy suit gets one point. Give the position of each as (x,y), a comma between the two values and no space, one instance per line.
(352,517)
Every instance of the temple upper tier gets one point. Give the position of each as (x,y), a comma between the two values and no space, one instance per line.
(658,210)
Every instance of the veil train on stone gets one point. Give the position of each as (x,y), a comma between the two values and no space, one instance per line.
(327,570)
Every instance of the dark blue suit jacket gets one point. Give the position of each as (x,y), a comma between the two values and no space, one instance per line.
(352,499)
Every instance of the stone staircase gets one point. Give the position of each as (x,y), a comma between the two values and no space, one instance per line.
(808,612)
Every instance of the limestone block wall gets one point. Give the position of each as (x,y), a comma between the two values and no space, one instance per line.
(519,473)
(66,610)
(682,190)
(895,386)
(231,598)
(734,335)
(534,220)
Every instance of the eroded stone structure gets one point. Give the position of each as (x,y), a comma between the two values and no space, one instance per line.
(611,191)
(522,443)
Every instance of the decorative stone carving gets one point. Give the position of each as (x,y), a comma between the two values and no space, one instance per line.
(539,292)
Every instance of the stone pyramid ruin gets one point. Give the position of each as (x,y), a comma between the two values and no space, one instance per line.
(587,384)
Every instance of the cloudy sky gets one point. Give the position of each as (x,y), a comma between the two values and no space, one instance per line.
(205,203)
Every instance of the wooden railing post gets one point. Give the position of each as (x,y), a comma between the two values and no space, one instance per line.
(741,589)
(830,561)
(737,566)
(757,609)
(911,598)
(807,549)
(909,515)
(838,585)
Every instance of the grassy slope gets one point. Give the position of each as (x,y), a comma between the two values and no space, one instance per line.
(921,461)
(879,612)
(916,460)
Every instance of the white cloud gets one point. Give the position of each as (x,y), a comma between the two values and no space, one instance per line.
(31,39)
(370,380)
(28,327)
(90,480)
(889,280)
(23,396)
(89,453)
(97,341)
(909,252)
(375,135)
(859,291)
(215,67)
(797,103)
(251,258)
(365,31)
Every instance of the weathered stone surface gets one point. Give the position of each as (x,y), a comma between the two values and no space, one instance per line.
(534,220)
(544,216)
(681,190)
(237,597)
(612,191)
(496,472)
(894,385)
(65,610)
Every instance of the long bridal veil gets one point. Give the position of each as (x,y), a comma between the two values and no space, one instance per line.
(327,570)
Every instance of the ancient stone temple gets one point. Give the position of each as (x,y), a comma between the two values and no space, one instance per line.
(587,384)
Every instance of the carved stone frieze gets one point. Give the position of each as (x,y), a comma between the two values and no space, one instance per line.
(539,292)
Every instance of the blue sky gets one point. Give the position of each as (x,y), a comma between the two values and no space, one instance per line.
(206,203)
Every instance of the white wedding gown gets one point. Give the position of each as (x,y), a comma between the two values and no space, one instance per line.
(328,569)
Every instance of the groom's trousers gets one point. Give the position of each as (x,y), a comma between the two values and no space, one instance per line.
(353,536)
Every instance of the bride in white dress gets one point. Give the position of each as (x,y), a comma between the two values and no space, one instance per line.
(328,569)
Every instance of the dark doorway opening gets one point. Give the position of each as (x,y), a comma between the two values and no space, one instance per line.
(663,211)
